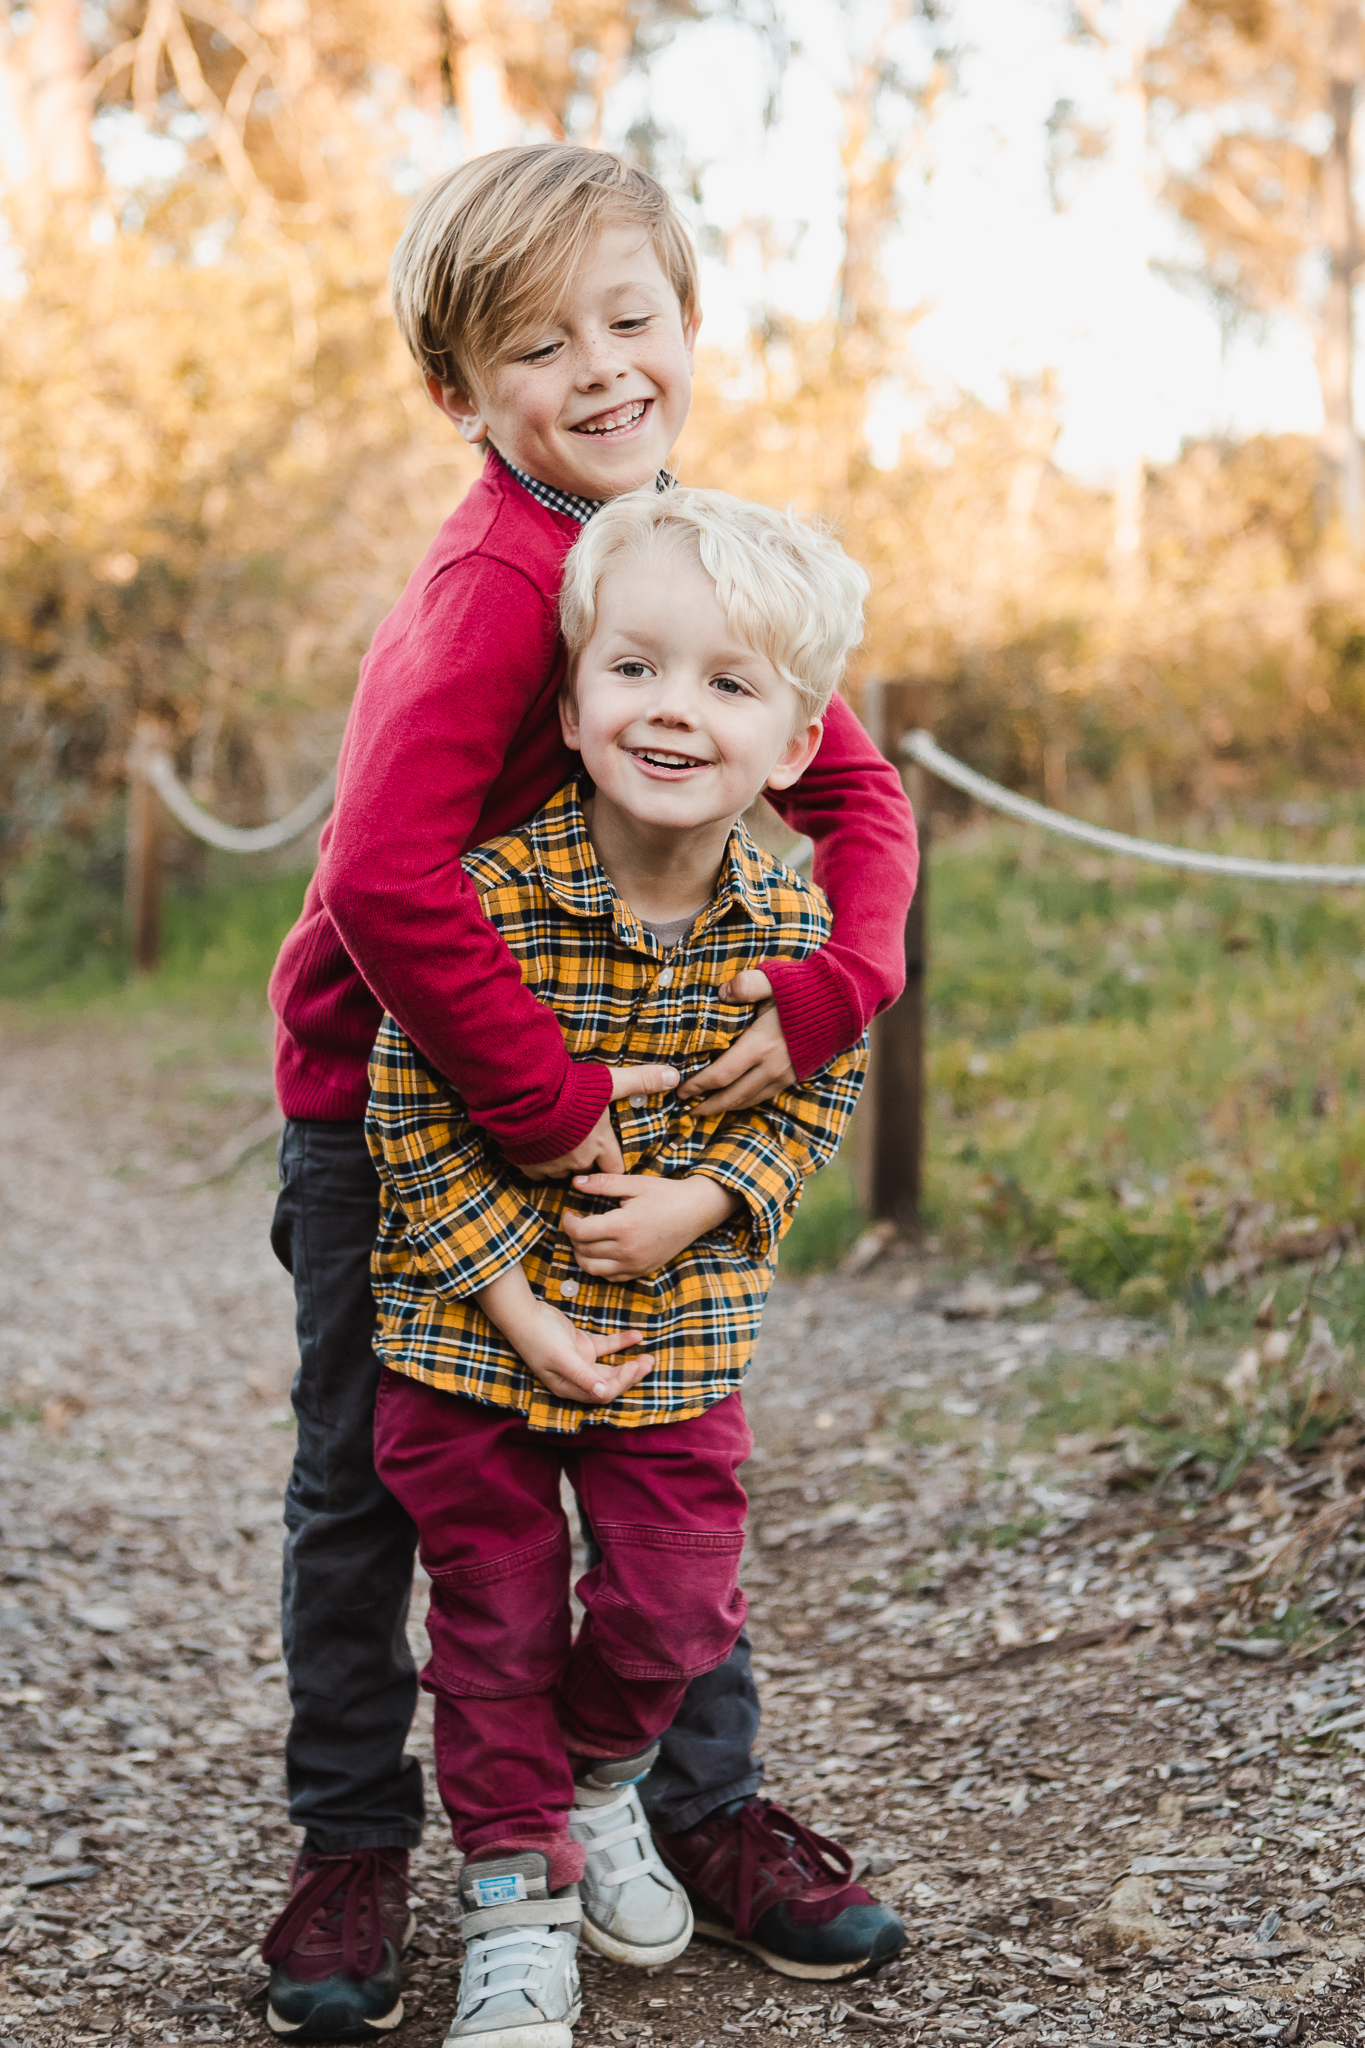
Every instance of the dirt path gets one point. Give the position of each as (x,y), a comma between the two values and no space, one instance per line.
(904,1569)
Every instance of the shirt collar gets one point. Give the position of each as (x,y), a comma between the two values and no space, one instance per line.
(580,509)
(574,878)
(555,500)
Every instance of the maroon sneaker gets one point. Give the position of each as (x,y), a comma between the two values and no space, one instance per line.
(766,1883)
(334,1951)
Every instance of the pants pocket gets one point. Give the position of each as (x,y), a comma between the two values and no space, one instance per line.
(501,1629)
(664,1604)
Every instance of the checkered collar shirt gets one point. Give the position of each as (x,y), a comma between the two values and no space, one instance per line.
(581,509)
(455,1214)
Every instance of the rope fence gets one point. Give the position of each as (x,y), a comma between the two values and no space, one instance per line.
(921,748)
(892,1169)
(237,838)
(152,783)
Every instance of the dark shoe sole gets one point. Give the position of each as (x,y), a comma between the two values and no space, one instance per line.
(319,2028)
(336,2008)
(889,1942)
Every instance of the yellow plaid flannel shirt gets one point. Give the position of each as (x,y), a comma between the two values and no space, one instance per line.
(454,1214)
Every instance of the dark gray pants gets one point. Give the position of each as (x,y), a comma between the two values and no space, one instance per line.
(349,1549)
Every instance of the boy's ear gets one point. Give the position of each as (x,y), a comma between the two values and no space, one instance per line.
(690,339)
(568,718)
(800,751)
(463,411)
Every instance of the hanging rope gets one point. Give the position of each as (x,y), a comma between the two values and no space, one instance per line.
(920,747)
(155,764)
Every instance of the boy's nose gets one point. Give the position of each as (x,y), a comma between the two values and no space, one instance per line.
(674,709)
(600,360)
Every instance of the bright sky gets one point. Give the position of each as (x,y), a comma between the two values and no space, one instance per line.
(1012,287)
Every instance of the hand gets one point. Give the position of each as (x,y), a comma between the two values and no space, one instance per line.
(566,1359)
(600,1151)
(756,1067)
(562,1357)
(657,1219)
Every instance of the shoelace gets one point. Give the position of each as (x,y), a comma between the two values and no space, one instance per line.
(646,1862)
(480,1963)
(767,1834)
(360,1876)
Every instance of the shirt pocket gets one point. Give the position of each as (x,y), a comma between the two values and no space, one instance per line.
(711,1025)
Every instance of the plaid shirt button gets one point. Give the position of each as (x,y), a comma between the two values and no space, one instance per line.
(568,1288)
(665,979)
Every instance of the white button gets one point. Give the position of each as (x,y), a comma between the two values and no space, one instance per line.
(665,978)
(638,1101)
(568,1288)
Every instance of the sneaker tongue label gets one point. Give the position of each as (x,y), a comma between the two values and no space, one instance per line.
(505,1890)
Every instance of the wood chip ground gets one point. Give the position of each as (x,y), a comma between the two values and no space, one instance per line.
(1004,1733)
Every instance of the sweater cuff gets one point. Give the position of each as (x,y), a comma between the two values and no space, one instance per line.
(582,1099)
(818,1009)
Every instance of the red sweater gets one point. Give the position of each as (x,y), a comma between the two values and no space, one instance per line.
(454,737)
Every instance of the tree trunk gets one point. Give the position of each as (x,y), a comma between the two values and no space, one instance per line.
(1340,443)
(480,79)
(57,116)
(1128,164)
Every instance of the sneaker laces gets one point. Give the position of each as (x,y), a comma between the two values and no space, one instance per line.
(768,1835)
(536,1948)
(339,1888)
(646,1862)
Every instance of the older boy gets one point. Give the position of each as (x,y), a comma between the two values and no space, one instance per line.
(549,295)
(706,638)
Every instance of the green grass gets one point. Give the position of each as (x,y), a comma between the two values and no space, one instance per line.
(220,936)
(1117,1052)
(826,1225)
(1173,1410)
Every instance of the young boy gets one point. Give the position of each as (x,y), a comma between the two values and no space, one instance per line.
(549,295)
(705,639)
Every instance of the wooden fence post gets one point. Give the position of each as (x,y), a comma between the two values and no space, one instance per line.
(143,873)
(894,1174)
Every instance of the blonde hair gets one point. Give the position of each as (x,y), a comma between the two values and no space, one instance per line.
(786,587)
(495,246)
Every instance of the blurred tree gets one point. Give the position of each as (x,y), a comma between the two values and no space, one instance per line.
(216,466)
(1119,27)
(50,153)
(1265,92)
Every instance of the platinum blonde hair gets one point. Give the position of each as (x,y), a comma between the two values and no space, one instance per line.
(786,587)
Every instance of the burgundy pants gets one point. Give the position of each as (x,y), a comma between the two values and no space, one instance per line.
(517,1700)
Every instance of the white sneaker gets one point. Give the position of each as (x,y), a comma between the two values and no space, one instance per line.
(634,1910)
(519,1985)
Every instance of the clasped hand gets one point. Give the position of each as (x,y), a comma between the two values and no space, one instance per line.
(754,1069)
(656,1220)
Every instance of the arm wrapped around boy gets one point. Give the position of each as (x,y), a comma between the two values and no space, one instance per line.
(455,1214)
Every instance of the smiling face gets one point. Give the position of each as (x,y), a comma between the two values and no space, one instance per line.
(680,723)
(592,401)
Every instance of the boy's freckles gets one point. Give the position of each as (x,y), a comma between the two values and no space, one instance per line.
(594,402)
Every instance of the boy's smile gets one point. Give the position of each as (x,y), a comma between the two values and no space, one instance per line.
(593,400)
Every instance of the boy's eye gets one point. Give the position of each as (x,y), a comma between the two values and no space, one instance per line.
(632,323)
(632,670)
(541,354)
(730,685)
